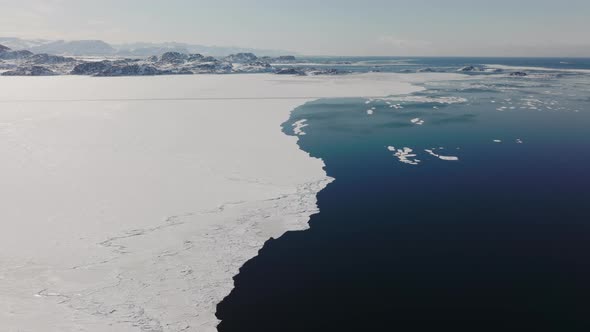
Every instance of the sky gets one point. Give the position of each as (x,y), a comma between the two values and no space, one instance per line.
(318,27)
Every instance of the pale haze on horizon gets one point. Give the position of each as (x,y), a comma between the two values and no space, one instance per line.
(361,28)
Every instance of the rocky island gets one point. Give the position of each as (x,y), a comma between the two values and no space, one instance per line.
(27,63)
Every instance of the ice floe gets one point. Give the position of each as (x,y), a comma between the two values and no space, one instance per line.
(426,99)
(417,121)
(298,127)
(404,155)
(439,156)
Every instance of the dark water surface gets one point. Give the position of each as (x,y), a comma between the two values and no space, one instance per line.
(496,241)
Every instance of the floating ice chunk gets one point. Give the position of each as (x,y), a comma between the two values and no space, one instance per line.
(368,102)
(497,141)
(370,112)
(518,141)
(404,155)
(298,127)
(448,158)
(417,121)
(426,99)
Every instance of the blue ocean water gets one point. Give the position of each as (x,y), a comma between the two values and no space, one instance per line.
(464,207)
(445,64)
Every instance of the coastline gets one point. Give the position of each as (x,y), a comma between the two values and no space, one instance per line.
(145,209)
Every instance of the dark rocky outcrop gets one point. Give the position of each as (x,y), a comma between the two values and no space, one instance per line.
(4,65)
(308,71)
(519,74)
(91,68)
(209,59)
(16,55)
(195,57)
(253,67)
(290,71)
(4,49)
(173,58)
(30,71)
(131,70)
(241,58)
(169,63)
(470,69)
(426,70)
(206,67)
(49,59)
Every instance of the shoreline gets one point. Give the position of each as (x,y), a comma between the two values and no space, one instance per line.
(145,210)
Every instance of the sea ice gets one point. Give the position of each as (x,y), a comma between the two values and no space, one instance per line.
(426,99)
(404,155)
(433,153)
(298,127)
(130,203)
(417,121)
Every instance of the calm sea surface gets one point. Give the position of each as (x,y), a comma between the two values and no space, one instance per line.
(463,207)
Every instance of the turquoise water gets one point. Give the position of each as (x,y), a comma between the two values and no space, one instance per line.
(496,236)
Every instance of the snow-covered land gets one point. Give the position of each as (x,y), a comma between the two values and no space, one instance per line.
(27,63)
(128,204)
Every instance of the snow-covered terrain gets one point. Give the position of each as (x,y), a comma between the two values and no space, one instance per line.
(27,63)
(137,49)
(128,204)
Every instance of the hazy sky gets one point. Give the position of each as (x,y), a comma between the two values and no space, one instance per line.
(319,27)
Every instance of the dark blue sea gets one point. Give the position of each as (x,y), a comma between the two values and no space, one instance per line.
(463,207)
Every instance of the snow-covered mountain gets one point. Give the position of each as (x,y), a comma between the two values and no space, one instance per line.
(75,47)
(27,63)
(97,58)
(101,48)
(22,44)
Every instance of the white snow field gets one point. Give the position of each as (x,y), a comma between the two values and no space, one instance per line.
(128,204)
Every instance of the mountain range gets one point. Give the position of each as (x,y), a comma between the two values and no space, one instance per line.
(140,49)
